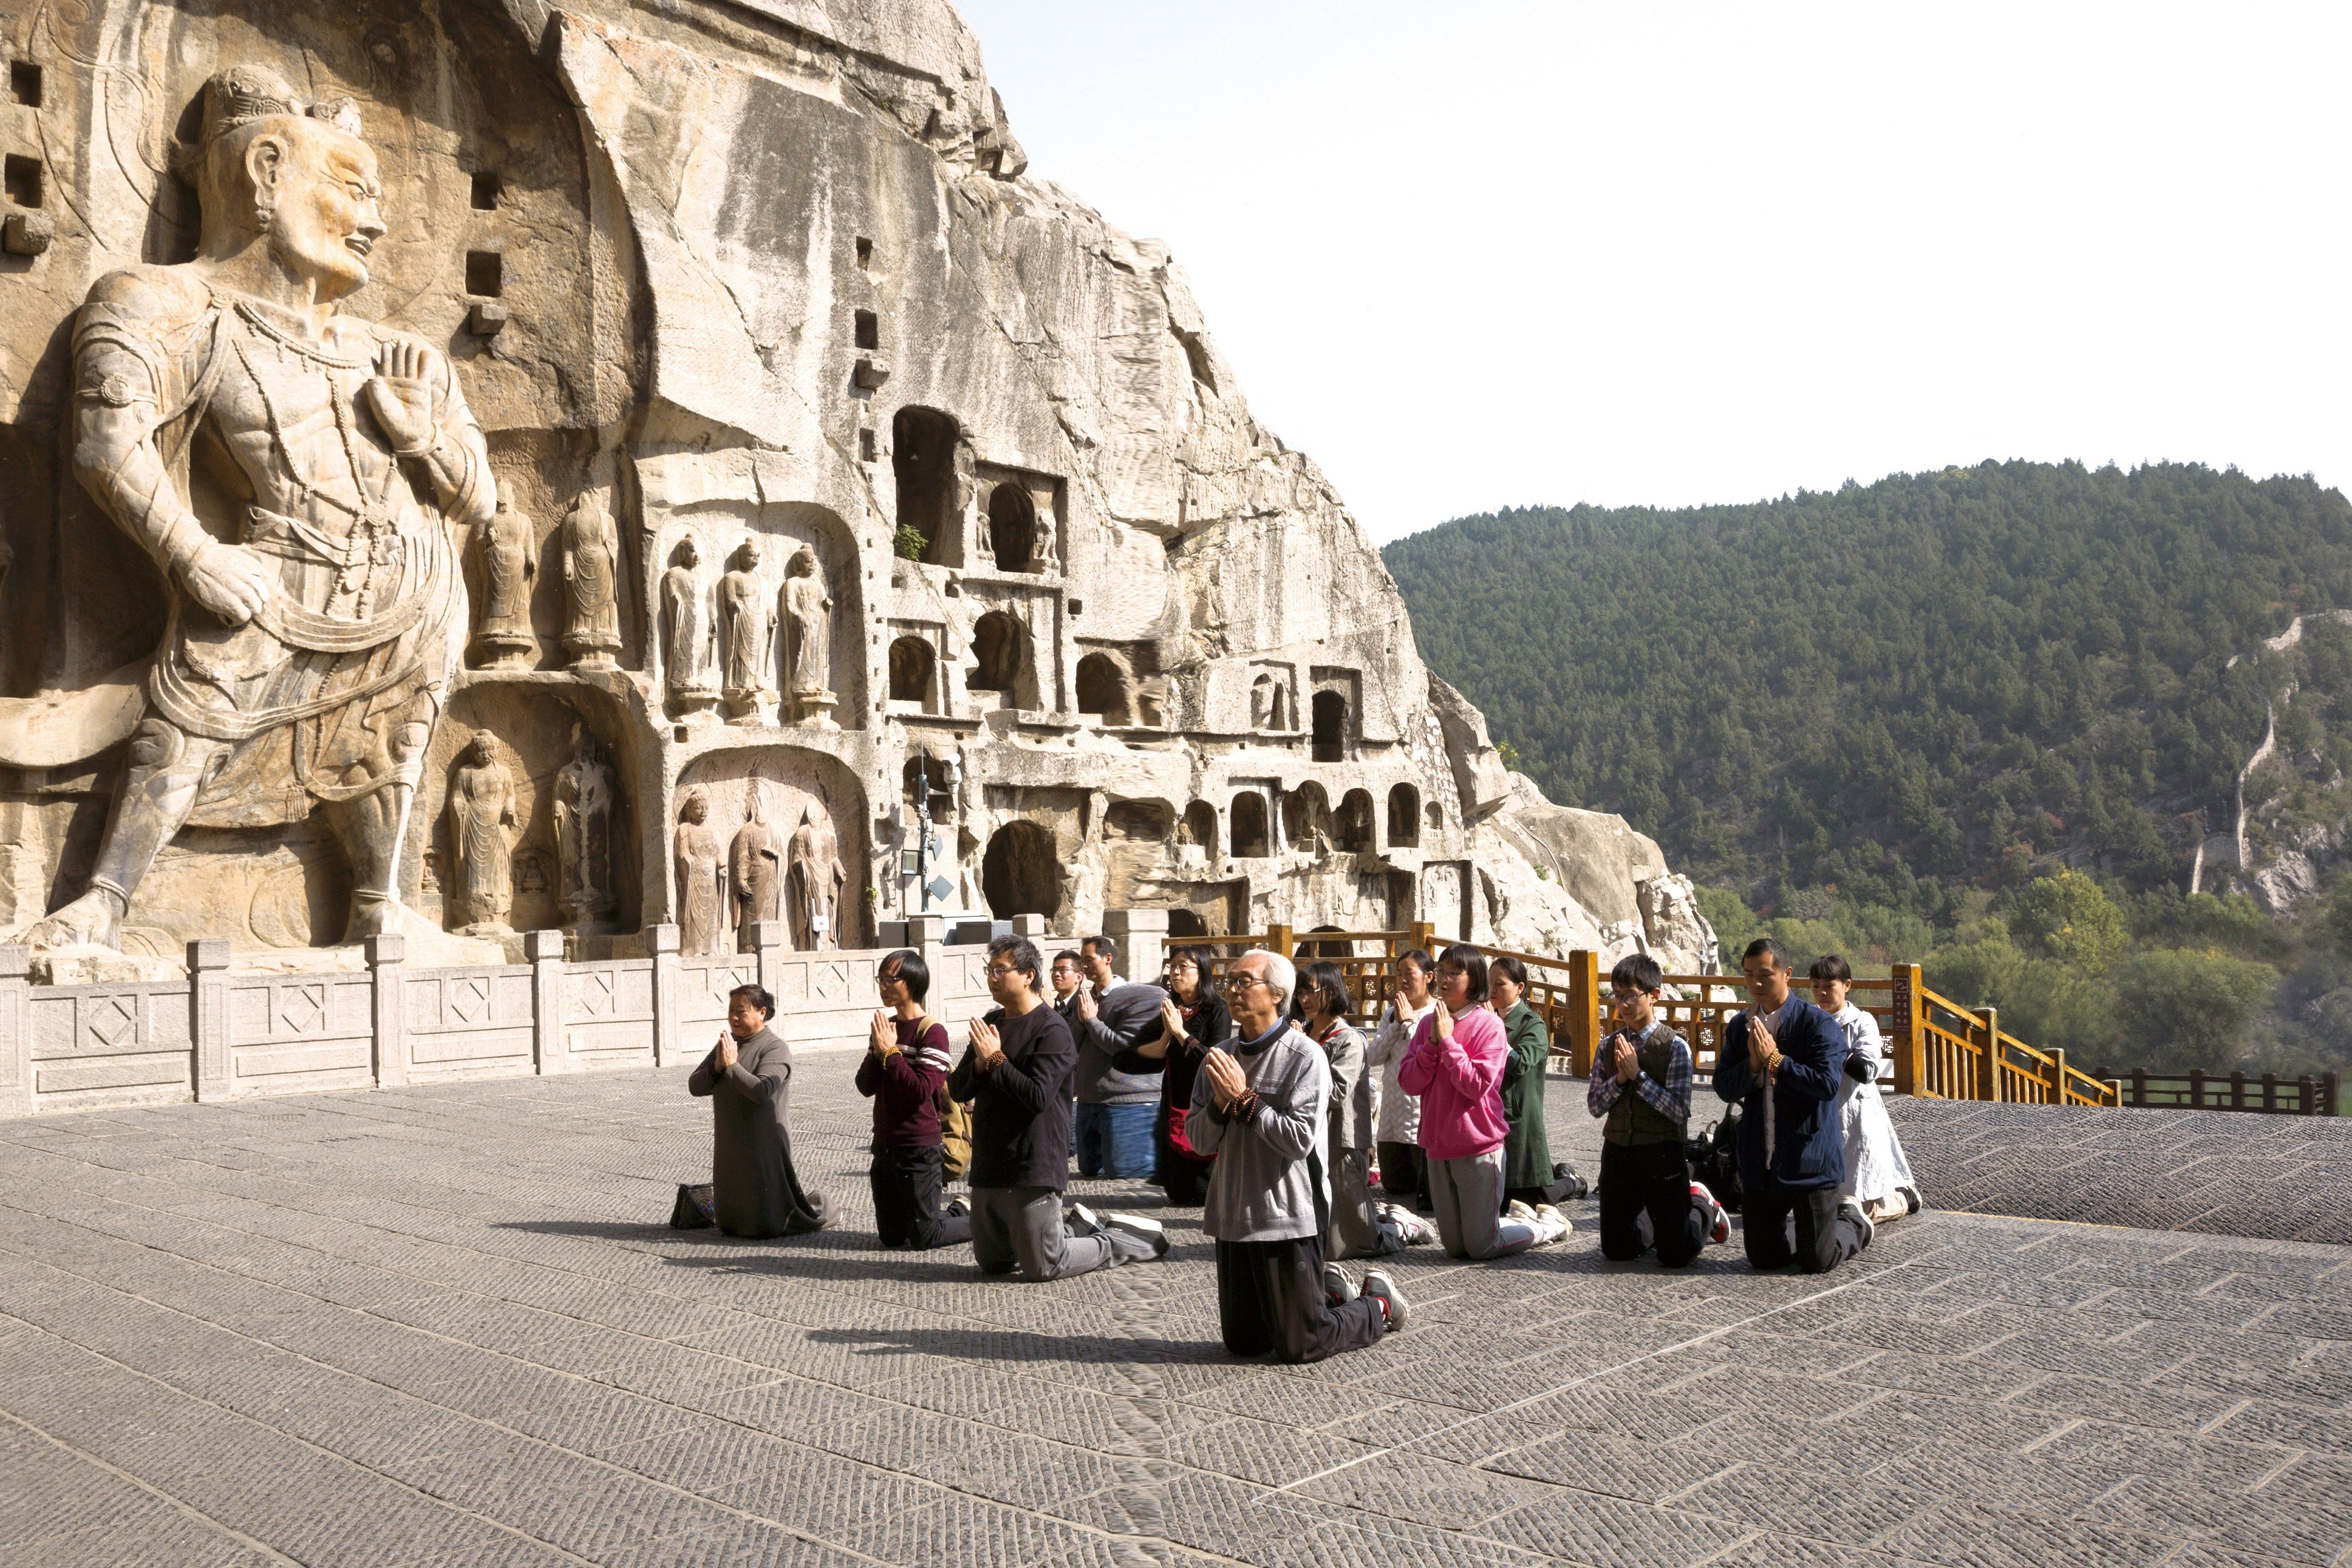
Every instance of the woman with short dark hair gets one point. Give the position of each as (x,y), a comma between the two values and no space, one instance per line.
(1877,1175)
(1192,1019)
(1360,1228)
(1404,1174)
(1526,1151)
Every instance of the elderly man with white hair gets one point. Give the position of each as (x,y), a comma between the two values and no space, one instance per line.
(1259,1109)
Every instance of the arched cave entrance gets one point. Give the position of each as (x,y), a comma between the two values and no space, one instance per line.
(1200,828)
(1353,827)
(1404,816)
(1250,842)
(1020,874)
(1000,647)
(922,460)
(912,665)
(1102,688)
(1012,527)
(1307,817)
(1330,738)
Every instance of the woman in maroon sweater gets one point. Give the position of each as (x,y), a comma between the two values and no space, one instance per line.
(905,1073)
(1193,1019)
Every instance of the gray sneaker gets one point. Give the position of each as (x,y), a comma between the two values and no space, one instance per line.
(1384,1289)
(1336,1287)
(1142,1227)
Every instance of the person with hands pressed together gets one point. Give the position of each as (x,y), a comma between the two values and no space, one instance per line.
(1116,1109)
(1456,1066)
(1877,1173)
(1405,1170)
(1191,1019)
(1360,1228)
(747,1077)
(1642,1085)
(905,1073)
(1016,1074)
(1259,1109)
(1526,1150)
(1782,1060)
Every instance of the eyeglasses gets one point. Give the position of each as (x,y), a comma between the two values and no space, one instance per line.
(1238,981)
(891,979)
(999,970)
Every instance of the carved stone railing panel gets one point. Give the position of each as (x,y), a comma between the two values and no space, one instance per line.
(469,1020)
(608,1012)
(113,1044)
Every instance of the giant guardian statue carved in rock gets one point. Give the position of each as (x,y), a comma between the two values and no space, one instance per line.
(298,474)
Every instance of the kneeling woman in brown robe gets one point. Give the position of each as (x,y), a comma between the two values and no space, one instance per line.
(748,1077)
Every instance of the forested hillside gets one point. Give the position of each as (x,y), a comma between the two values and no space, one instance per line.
(1890,709)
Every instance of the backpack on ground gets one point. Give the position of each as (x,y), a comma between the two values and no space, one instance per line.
(695,1208)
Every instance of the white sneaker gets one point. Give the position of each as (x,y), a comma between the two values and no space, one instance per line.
(1554,1223)
(1338,1289)
(1080,1220)
(1519,1210)
(1143,1227)
(1718,1223)
(1411,1228)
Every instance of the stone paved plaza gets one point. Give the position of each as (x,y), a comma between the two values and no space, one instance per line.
(447,1325)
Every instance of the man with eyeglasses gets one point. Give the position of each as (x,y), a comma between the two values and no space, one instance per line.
(1259,1109)
(1782,1061)
(1016,1074)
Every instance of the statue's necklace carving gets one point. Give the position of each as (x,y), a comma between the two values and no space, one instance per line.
(374,531)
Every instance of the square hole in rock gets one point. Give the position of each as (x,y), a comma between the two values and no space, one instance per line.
(869,330)
(485,273)
(25,83)
(864,253)
(22,179)
(866,447)
(485,192)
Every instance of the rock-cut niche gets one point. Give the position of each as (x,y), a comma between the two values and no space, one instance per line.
(1102,689)
(911,669)
(922,462)
(1012,527)
(1404,816)
(1020,874)
(1000,648)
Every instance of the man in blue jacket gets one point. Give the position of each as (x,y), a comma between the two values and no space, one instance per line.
(1782,1061)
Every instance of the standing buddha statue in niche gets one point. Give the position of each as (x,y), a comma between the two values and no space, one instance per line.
(510,562)
(808,637)
(814,878)
(700,886)
(315,600)
(747,637)
(481,810)
(685,634)
(753,862)
(584,834)
(591,558)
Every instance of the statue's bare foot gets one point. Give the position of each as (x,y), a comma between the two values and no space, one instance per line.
(90,921)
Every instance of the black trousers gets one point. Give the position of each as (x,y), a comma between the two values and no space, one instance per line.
(1825,1238)
(1404,1174)
(1652,1178)
(907,1198)
(1270,1297)
(1185,1182)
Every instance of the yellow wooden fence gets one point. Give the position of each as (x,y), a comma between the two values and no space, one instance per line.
(1938,1048)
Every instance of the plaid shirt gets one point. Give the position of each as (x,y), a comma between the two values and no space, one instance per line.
(1670,1099)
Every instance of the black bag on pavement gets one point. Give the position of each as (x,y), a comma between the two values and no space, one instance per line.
(1721,1172)
(694,1209)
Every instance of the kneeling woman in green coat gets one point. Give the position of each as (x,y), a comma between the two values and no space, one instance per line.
(1526,1151)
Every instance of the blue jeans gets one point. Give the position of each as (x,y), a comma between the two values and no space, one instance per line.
(1113,1139)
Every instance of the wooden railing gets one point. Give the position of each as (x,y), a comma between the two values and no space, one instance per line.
(2265,1092)
(1936,1047)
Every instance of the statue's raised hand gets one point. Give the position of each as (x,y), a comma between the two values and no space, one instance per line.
(229,580)
(400,395)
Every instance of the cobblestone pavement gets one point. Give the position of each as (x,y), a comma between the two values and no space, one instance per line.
(2228,1172)
(447,1326)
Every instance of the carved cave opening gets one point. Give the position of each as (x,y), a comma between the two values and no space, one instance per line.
(484,195)
(867,327)
(1250,838)
(1353,829)
(912,666)
(1331,736)
(1020,874)
(1184,922)
(485,274)
(1000,648)
(922,460)
(1102,689)
(25,83)
(1404,816)
(1200,828)
(1269,704)
(1307,817)
(1012,527)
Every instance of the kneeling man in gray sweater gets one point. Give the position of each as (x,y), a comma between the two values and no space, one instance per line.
(1259,1109)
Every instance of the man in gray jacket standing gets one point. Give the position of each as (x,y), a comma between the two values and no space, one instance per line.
(1259,1109)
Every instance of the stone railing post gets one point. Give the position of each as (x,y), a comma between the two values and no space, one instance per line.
(770,940)
(208,1034)
(669,984)
(16,1031)
(1583,1009)
(544,950)
(1142,937)
(386,957)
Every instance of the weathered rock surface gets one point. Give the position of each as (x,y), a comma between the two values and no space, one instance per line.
(776,273)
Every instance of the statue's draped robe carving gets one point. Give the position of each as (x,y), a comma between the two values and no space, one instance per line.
(584,836)
(748,623)
(808,620)
(698,888)
(813,879)
(481,809)
(685,632)
(752,876)
(507,571)
(367,619)
(591,568)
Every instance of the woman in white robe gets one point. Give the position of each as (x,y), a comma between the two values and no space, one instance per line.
(1877,1176)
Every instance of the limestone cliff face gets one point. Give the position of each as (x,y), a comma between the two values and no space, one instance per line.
(779,271)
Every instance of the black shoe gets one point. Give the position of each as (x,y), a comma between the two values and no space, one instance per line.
(1852,1212)
(1912,1196)
(959,1206)
(1142,1228)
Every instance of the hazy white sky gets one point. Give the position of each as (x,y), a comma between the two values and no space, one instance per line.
(1495,253)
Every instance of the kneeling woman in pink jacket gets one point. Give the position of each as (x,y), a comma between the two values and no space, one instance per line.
(1455,1065)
